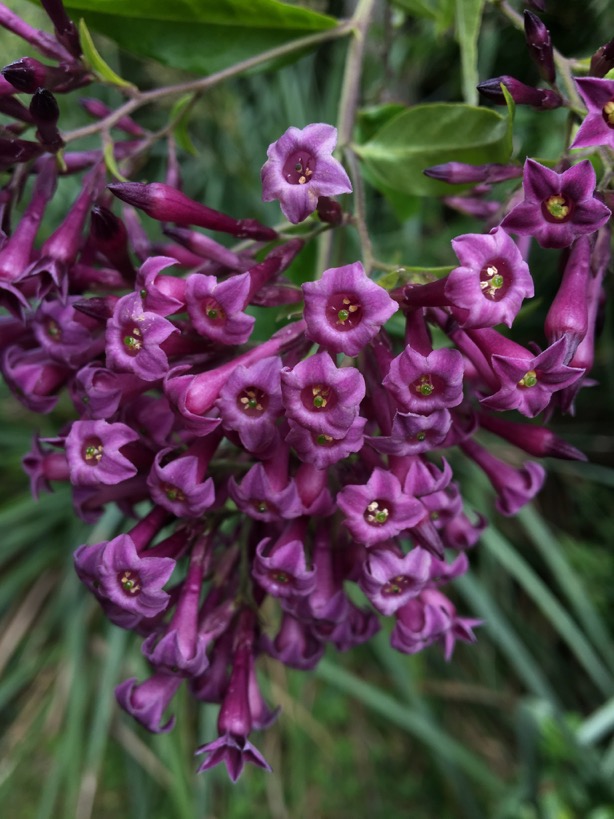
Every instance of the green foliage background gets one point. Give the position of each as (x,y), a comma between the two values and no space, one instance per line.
(519,726)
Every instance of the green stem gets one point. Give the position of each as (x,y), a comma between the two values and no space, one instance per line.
(139,99)
(350,94)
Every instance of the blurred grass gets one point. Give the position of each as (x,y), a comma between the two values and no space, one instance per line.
(518,726)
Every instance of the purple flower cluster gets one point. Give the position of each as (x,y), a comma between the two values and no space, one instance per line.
(277,473)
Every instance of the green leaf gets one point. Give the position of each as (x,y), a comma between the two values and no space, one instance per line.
(102,70)
(468,19)
(397,154)
(202,37)
(110,162)
(180,116)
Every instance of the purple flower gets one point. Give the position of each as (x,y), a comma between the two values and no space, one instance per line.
(134,337)
(598,125)
(66,334)
(250,403)
(427,619)
(379,509)
(323,450)
(281,569)
(132,581)
(390,579)
(492,280)
(216,309)
(528,383)
(412,433)
(321,396)
(148,701)
(423,384)
(558,207)
(345,309)
(178,485)
(296,645)
(263,499)
(234,752)
(514,487)
(300,168)
(93,452)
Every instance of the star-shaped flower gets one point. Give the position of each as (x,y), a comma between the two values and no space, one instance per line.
(598,125)
(557,207)
(300,168)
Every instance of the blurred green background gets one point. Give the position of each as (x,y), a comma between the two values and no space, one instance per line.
(518,726)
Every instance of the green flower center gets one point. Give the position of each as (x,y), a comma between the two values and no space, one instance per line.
(608,113)
(130,582)
(376,513)
(558,207)
(529,379)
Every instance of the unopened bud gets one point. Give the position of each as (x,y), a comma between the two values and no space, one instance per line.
(567,317)
(44,107)
(45,113)
(521,94)
(17,150)
(602,60)
(329,211)
(64,27)
(15,109)
(540,46)
(167,204)
(26,75)
(460,173)
(110,237)
(537,441)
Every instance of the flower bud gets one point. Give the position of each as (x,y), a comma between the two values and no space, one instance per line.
(45,113)
(540,46)
(329,211)
(461,173)
(65,29)
(166,204)
(17,150)
(26,75)
(14,109)
(521,94)
(111,239)
(602,60)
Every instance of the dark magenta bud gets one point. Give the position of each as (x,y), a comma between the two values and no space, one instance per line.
(45,113)
(44,108)
(540,46)
(167,204)
(521,94)
(602,60)
(15,109)
(537,441)
(26,75)
(18,150)
(460,173)
(65,29)
(110,237)
(329,211)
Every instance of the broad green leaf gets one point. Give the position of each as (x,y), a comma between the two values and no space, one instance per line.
(203,37)
(441,12)
(467,29)
(431,134)
(95,61)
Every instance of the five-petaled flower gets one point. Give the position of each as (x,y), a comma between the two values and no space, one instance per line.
(300,168)
(557,207)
